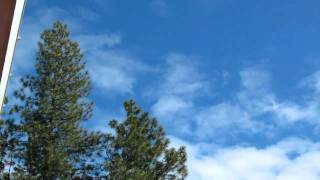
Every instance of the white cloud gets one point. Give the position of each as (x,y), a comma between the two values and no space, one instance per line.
(255,96)
(293,112)
(110,70)
(290,159)
(114,71)
(169,106)
(181,84)
(223,117)
(308,110)
(258,98)
(112,78)
(240,114)
(182,78)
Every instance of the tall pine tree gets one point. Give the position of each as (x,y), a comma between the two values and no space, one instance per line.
(138,149)
(54,103)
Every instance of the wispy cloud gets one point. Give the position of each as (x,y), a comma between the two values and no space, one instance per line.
(253,109)
(87,13)
(182,77)
(255,95)
(309,109)
(114,70)
(159,7)
(223,118)
(181,83)
(312,82)
(92,42)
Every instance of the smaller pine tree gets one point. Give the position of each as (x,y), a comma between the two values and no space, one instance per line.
(138,149)
(9,145)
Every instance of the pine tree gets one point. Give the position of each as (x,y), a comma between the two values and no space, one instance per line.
(9,140)
(9,148)
(138,149)
(54,103)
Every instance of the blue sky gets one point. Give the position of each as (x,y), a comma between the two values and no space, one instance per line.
(237,82)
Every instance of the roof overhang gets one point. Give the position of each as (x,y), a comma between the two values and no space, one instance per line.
(11,12)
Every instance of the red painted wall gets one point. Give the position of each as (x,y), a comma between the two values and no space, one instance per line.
(6,16)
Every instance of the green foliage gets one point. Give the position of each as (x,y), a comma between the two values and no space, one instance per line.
(9,141)
(54,103)
(138,149)
(48,143)
(8,147)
